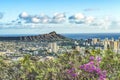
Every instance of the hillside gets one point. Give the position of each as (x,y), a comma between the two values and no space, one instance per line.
(44,37)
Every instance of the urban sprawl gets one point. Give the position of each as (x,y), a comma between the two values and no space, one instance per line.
(17,49)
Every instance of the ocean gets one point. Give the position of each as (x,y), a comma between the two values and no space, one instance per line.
(77,36)
(93,35)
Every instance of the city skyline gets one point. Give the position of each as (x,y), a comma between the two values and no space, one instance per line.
(80,16)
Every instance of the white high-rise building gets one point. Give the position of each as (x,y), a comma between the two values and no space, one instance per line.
(116,46)
(53,47)
(112,44)
(106,44)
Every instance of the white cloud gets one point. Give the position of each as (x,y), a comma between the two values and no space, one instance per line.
(89,19)
(45,20)
(78,18)
(58,18)
(24,15)
(42,18)
(35,20)
(59,15)
(105,22)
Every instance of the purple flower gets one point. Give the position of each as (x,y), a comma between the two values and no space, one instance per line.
(98,59)
(98,71)
(101,78)
(71,70)
(82,67)
(92,58)
(93,67)
(87,67)
(74,74)
(104,72)
(91,63)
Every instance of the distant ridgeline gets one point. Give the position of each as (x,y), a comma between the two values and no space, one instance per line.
(45,37)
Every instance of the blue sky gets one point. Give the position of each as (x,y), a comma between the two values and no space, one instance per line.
(62,16)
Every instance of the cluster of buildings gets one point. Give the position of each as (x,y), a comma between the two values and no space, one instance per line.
(53,47)
(12,48)
(104,44)
(112,44)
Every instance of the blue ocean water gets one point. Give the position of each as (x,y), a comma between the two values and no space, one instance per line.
(77,36)
(93,35)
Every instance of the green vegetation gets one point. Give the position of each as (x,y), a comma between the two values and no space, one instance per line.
(64,67)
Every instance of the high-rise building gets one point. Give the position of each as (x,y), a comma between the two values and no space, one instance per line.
(53,46)
(106,44)
(95,41)
(112,44)
(116,46)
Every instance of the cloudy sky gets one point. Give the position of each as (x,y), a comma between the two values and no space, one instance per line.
(62,16)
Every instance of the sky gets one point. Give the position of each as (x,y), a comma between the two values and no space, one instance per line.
(62,16)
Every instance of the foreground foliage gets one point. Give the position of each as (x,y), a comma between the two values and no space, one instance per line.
(67,66)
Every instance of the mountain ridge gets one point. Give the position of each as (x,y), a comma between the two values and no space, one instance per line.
(41,37)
